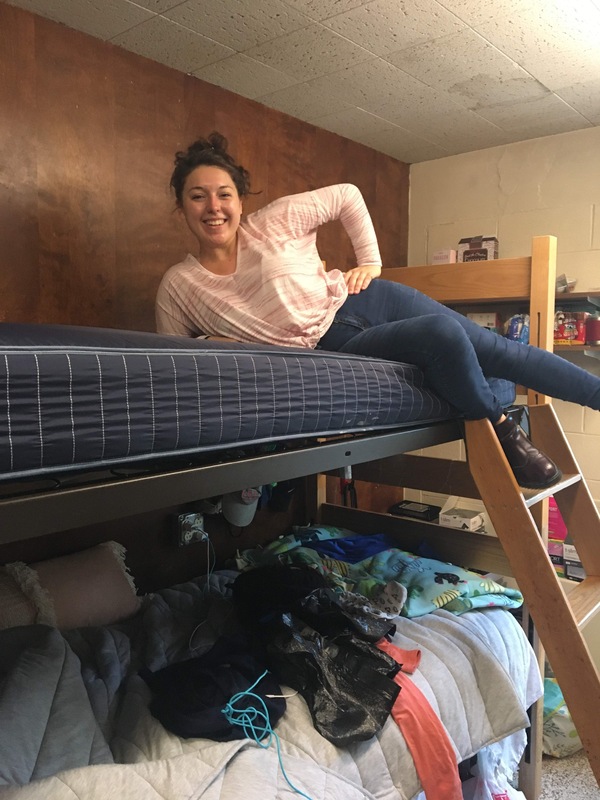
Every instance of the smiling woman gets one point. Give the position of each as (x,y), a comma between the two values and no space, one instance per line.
(209,192)
(261,280)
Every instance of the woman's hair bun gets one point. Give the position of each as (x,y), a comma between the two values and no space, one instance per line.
(209,151)
(214,142)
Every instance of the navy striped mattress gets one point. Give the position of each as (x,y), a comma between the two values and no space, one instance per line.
(74,398)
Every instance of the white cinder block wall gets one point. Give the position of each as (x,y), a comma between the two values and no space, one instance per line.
(542,186)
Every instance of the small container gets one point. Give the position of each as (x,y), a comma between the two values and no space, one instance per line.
(517,328)
(447,256)
(478,248)
(592,331)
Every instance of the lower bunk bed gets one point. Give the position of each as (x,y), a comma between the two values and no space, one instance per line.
(84,727)
(98,425)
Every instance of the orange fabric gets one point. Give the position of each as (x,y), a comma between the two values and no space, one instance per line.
(423,731)
(410,659)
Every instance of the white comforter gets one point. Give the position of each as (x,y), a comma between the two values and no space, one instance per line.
(477,671)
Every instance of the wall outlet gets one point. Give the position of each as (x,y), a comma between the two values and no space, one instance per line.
(190,529)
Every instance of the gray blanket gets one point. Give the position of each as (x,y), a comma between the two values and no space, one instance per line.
(477,671)
(48,722)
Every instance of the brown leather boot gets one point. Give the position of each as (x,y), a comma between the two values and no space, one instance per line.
(532,469)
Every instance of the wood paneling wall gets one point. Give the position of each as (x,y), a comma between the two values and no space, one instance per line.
(88,133)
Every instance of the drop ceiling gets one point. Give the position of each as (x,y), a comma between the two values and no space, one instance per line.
(415,79)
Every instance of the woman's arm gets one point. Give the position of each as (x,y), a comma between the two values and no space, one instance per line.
(358,224)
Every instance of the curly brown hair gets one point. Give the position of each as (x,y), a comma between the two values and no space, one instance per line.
(209,152)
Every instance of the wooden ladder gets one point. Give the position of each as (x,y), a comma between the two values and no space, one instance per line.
(560,618)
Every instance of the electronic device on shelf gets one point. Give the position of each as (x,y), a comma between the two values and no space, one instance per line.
(410,508)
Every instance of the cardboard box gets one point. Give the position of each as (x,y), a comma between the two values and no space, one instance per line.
(453,515)
(447,256)
(487,319)
(478,248)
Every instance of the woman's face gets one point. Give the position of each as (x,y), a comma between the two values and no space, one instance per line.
(211,207)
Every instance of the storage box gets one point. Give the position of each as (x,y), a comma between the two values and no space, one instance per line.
(556,550)
(570,327)
(478,248)
(453,515)
(447,256)
(560,570)
(487,319)
(556,553)
(573,567)
(556,525)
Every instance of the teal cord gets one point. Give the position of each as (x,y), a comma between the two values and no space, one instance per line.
(256,725)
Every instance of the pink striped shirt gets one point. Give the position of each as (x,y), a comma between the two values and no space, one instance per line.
(280,293)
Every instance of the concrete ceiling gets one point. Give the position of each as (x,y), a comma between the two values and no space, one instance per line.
(415,79)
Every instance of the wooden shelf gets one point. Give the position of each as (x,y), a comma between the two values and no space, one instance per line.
(575,348)
(562,298)
(576,298)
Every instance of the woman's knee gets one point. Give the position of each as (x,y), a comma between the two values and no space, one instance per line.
(446,330)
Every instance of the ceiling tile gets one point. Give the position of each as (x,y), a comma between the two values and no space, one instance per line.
(404,146)
(470,69)
(304,101)
(475,12)
(322,9)
(533,114)
(556,69)
(158,6)
(371,85)
(239,25)
(244,76)
(386,26)
(359,125)
(468,137)
(585,98)
(544,31)
(431,115)
(310,52)
(170,44)
(101,20)
(356,123)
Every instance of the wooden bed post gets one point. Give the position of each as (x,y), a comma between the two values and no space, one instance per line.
(541,334)
(541,301)
(315,490)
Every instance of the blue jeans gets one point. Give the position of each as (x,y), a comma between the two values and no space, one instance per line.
(392,321)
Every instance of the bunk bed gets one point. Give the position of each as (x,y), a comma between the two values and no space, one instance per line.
(98,425)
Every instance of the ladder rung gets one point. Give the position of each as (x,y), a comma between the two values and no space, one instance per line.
(584,599)
(533,496)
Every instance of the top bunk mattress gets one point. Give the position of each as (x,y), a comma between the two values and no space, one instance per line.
(75,398)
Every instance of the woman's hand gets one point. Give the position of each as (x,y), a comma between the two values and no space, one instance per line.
(360,277)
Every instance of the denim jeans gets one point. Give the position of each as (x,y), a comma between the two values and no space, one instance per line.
(395,322)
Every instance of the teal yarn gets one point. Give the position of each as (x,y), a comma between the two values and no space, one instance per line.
(256,725)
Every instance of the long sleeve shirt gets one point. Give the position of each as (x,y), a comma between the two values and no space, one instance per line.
(280,292)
